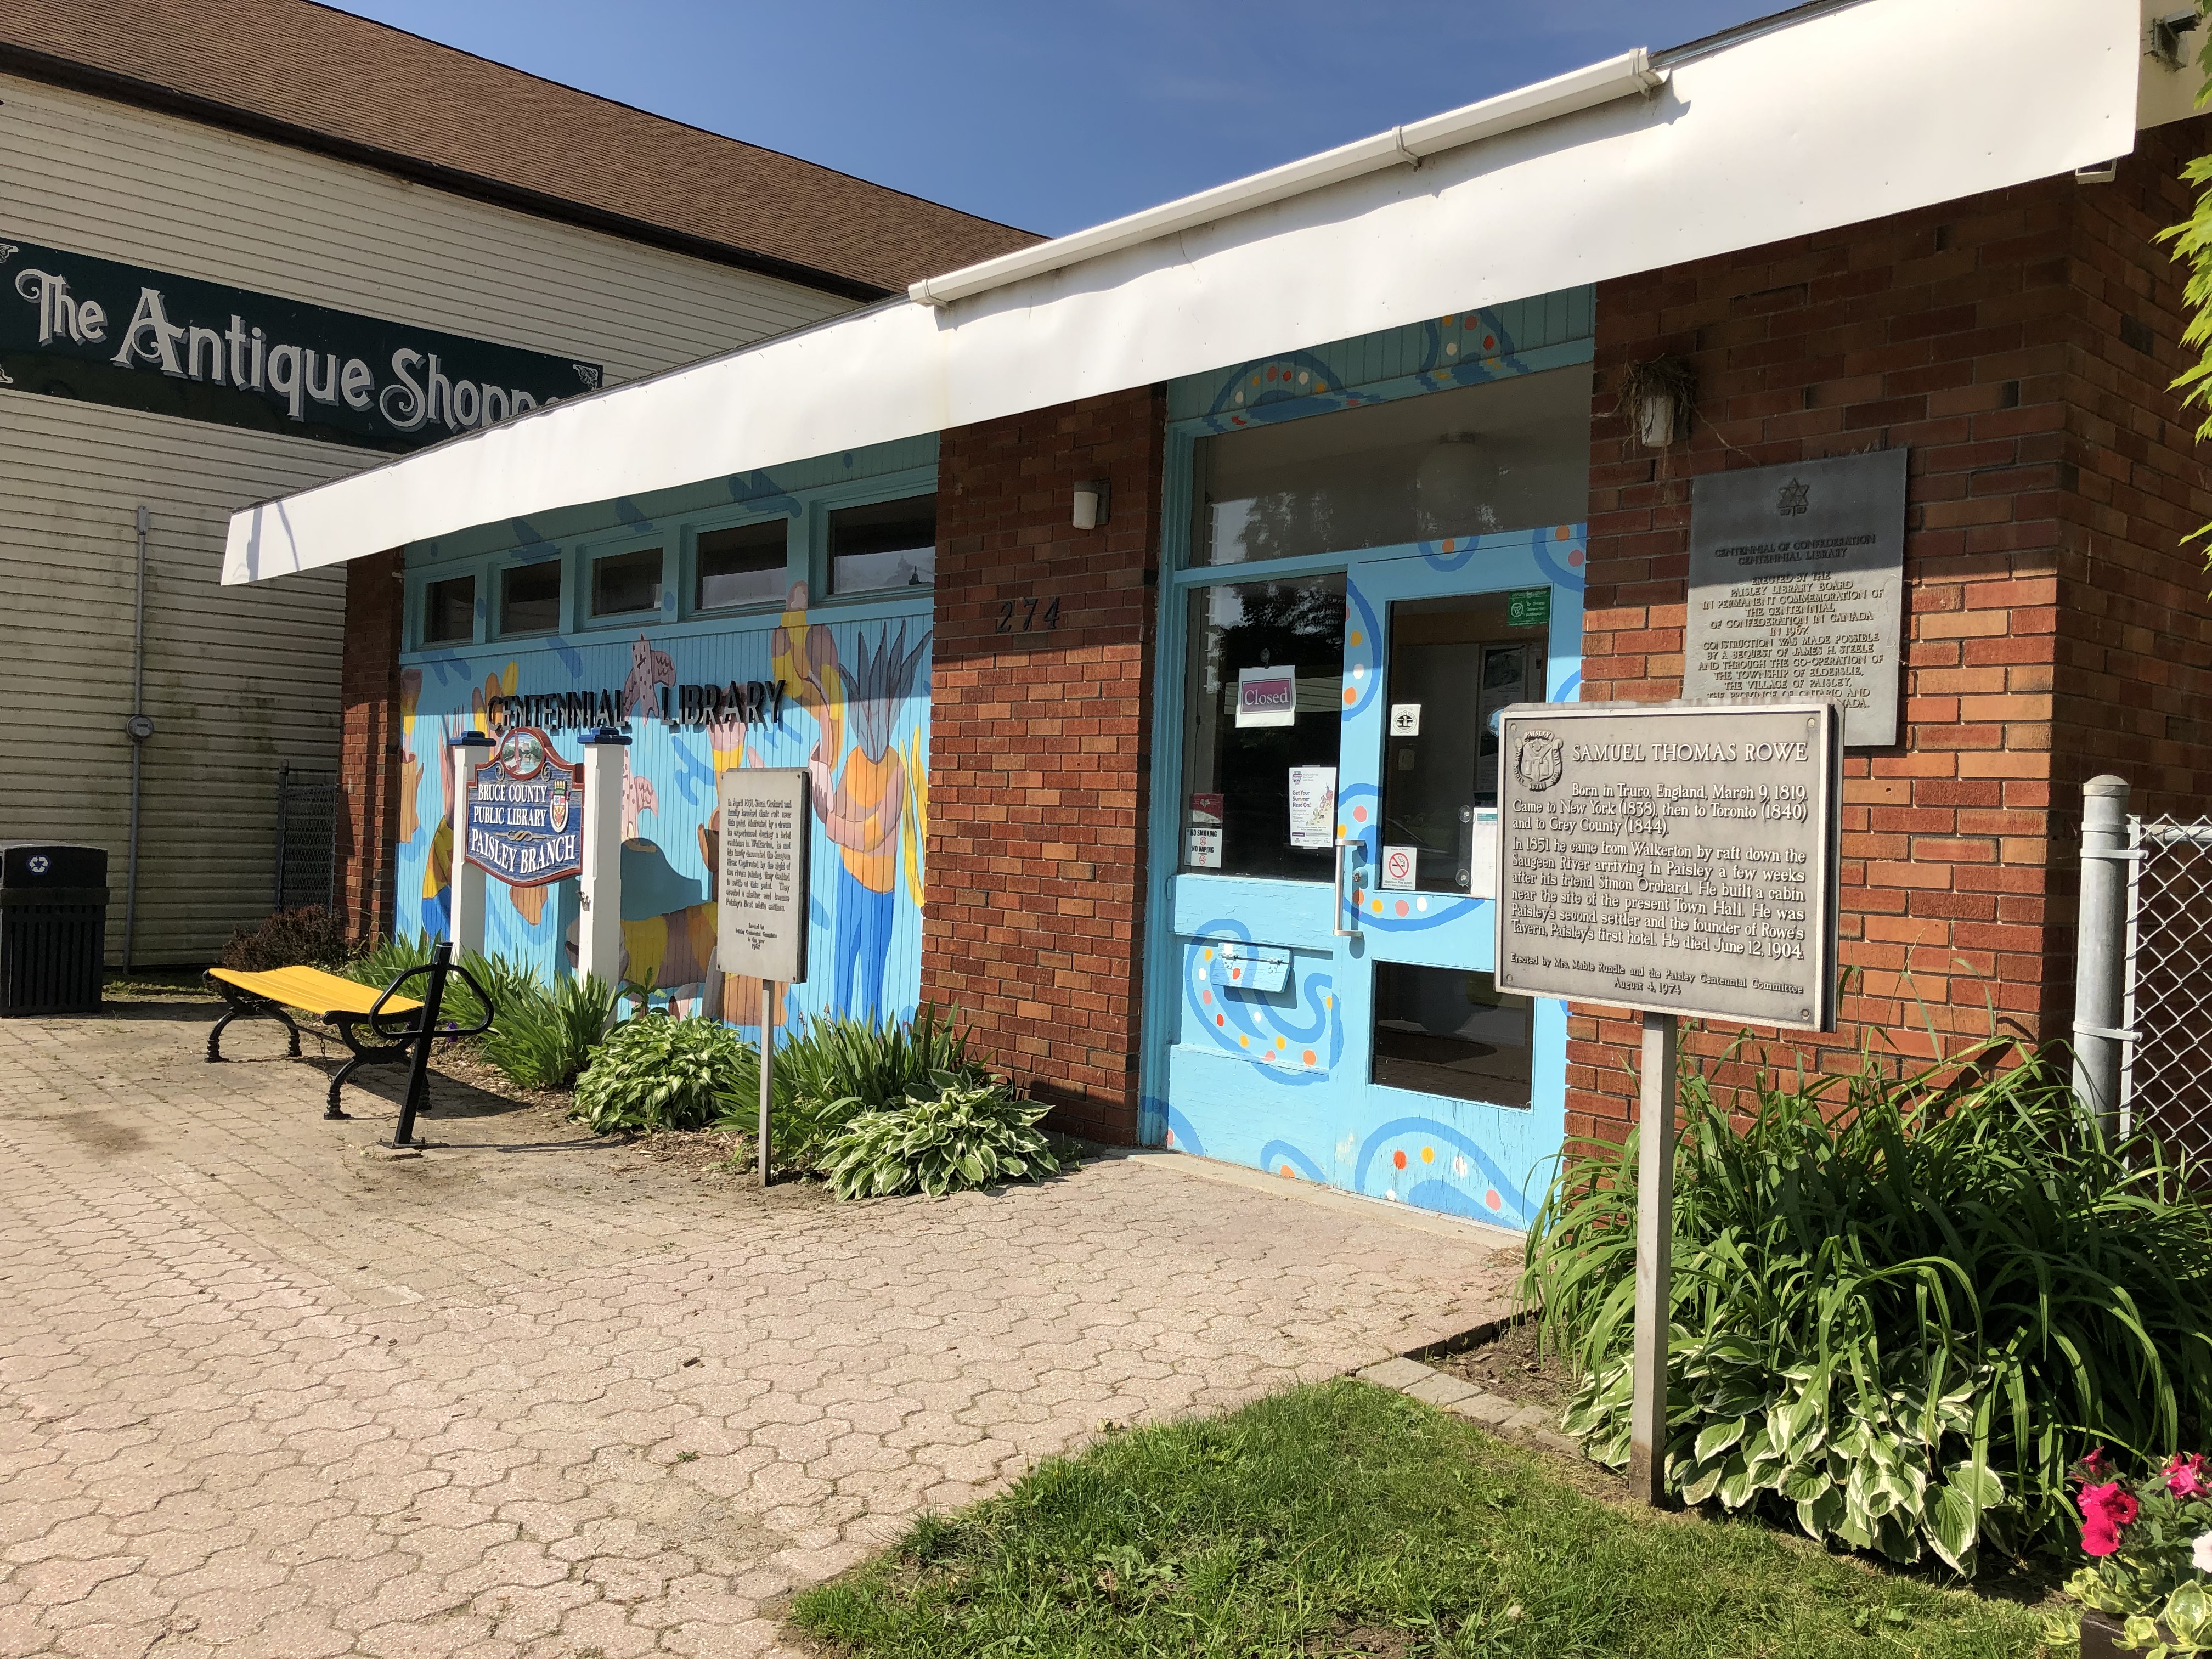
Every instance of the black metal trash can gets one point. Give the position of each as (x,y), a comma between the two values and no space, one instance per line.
(54,927)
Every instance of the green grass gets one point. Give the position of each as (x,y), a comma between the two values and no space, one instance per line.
(1344,1519)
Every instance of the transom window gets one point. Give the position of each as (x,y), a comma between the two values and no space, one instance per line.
(626,584)
(741,566)
(884,546)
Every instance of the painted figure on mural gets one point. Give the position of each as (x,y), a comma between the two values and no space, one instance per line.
(861,794)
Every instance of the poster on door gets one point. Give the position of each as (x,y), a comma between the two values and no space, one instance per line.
(1313,805)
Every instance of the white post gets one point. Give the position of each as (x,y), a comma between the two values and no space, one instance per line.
(467,752)
(767,1065)
(2100,951)
(1655,1259)
(598,915)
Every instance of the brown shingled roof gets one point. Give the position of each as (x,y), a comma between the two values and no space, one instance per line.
(308,75)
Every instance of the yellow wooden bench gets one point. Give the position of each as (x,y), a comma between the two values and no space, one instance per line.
(344,1005)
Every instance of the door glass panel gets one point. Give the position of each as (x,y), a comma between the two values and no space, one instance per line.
(1511,454)
(1265,701)
(1455,664)
(1450,1031)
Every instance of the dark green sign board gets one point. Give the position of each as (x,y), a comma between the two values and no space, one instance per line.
(74,326)
(1528,607)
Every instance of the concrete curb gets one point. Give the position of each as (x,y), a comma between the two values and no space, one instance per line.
(1531,1425)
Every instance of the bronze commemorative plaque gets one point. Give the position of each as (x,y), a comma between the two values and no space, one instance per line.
(1676,857)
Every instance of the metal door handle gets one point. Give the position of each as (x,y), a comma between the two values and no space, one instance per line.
(1336,916)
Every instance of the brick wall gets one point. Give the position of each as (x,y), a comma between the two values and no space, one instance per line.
(368,745)
(2051,631)
(2134,694)
(1038,748)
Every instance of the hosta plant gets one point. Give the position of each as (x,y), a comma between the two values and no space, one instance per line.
(951,1133)
(1898,1303)
(828,1070)
(2149,1545)
(656,1072)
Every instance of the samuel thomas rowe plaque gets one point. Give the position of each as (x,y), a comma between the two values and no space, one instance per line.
(1797,587)
(1672,857)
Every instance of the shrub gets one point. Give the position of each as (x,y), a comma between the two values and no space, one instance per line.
(1893,1313)
(542,1039)
(2149,1545)
(830,1070)
(656,1072)
(951,1133)
(310,934)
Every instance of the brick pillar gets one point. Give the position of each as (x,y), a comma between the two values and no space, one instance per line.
(369,746)
(1040,724)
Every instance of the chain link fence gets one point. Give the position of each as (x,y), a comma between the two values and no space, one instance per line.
(306,838)
(2166,1056)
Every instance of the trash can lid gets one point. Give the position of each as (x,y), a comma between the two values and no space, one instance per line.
(52,864)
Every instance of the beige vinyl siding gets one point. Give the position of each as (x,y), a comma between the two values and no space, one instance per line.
(239,681)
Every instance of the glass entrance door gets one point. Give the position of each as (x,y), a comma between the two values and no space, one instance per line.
(1327,933)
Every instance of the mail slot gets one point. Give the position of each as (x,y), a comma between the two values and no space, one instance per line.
(1252,967)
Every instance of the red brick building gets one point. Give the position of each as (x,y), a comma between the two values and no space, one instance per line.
(1185,803)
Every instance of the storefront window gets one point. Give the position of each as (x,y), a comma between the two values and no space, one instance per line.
(1455,664)
(1512,455)
(888,545)
(1449,1032)
(743,565)
(1266,700)
(449,611)
(623,584)
(530,599)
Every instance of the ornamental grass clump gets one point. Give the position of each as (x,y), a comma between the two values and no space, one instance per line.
(542,1039)
(951,1133)
(2149,1545)
(655,1072)
(828,1071)
(1897,1303)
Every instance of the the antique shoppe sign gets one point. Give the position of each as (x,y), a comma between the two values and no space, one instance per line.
(767,817)
(1672,857)
(527,812)
(74,326)
(1797,587)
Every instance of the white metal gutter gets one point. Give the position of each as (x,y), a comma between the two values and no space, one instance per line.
(1631,73)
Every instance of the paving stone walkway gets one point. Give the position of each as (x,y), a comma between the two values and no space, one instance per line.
(265,1392)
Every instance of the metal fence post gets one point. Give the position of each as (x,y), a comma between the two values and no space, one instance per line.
(2099,948)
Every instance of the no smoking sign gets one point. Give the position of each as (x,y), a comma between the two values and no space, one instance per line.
(1399,863)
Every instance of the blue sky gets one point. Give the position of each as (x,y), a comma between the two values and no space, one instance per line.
(1053,116)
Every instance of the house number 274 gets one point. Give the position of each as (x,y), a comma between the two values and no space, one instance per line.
(1023,616)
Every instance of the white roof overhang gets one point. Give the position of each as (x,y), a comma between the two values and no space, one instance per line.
(1850,114)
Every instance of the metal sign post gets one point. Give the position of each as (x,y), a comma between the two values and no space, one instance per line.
(1679,858)
(767,832)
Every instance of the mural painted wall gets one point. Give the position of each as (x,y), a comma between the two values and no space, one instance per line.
(853,711)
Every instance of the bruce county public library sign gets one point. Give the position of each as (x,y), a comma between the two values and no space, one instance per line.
(1308,836)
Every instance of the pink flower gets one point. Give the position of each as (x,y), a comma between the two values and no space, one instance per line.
(2105,1510)
(2184,1476)
(2096,1465)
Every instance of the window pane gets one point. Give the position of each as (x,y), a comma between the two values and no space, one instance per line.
(1266,698)
(530,599)
(449,610)
(743,565)
(1448,1031)
(625,582)
(1455,664)
(891,545)
(1510,455)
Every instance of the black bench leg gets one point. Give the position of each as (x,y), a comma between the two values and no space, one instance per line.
(244,1005)
(332,1108)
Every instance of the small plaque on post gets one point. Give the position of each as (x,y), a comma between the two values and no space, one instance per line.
(761,888)
(1672,857)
